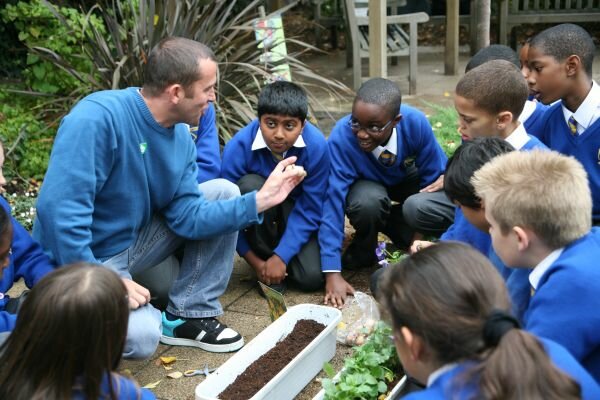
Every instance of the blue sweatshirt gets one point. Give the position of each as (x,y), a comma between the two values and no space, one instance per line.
(27,261)
(444,386)
(534,123)
(208,150)
(585,147)
(349,163)
(123,387)
(239,160)
(111,169)
(565,307)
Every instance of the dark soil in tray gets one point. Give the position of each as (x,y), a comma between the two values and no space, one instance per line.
(261,371)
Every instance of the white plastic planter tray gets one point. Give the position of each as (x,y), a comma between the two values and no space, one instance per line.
(297,374)
(392,395)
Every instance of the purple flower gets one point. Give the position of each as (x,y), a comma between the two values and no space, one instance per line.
(380,251)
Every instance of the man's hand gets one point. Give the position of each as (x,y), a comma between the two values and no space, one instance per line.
(280,183)
(138,295)
(336,289)
(435,186)
(274,270)
(419,245)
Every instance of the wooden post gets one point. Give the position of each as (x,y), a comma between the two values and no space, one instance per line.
(451,56)
(377,37)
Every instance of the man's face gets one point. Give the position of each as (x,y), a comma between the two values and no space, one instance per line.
(280,131)
(373,124)
(546,76)
(474,122)
(199,94)
(506,246)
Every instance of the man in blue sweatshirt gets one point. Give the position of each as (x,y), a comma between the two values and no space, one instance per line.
(121,190)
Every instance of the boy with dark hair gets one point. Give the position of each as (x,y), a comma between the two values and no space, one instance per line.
(285,244)
(533,111)
(538,205)
(381,152)
(560,60)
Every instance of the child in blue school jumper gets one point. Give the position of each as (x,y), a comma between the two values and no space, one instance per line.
(533,111)
(21,257)
(208,151)
(285,244)
(382,152)
(488,100)
(453,331)
(560,61)
(68,340)
(538,205)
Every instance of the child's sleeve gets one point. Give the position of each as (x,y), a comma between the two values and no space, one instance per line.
(28,259)
(7,321)
(341,175)
(208,152)
(306,215)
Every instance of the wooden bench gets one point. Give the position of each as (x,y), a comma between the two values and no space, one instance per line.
(543,11)
(399,42)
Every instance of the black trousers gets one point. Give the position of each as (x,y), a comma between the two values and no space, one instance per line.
(370,210)
(304,269)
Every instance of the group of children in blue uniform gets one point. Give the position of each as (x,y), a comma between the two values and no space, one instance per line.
(525,219)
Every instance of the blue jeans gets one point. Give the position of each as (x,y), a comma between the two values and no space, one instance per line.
(203,277)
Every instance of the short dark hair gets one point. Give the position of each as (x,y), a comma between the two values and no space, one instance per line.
(174,60)
(495,86)
(72,325)
(283,98)
(5,221)
(382,92)
(564,40)
(493,52)
(467,159)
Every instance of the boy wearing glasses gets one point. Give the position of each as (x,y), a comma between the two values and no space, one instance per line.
(381,153)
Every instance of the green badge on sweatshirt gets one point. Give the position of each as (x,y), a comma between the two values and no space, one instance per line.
(143,147)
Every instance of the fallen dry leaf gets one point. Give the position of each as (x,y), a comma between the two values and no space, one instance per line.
(167,360)
(175,375)
(152,385)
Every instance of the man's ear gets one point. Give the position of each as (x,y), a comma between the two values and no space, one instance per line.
(523,237)
(397,119)
(503,119)
(175,93)
(413,342)
(573,65)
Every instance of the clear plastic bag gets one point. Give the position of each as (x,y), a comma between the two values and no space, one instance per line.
(359,317)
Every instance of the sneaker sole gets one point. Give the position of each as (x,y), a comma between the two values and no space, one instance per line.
(213,348)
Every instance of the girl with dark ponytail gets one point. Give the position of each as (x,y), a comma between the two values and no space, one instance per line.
(453,331)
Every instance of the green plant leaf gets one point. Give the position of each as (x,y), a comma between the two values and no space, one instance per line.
(328,368)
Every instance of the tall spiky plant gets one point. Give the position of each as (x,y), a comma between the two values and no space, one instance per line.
(135,26)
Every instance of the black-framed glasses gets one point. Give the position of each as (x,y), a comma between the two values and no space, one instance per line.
(371,130)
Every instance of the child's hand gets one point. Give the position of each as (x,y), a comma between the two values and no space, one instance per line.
(274,270)
(336,289)
(435,186)
(419,245)
(138,295)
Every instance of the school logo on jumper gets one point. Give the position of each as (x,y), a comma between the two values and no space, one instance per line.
(143,147)
(408,161)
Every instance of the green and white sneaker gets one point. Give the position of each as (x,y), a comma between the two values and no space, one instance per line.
(206,333)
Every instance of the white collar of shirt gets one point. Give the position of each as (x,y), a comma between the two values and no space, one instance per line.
(542,267)
(259,142)
(527,110)
(518,138)
(391,146)
(588,112)
(439,372)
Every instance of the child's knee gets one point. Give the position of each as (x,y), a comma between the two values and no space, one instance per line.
(250,182)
